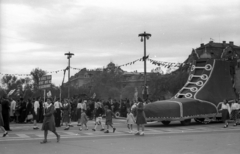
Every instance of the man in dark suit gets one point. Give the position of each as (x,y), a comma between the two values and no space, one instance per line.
(5,113)
(23,107)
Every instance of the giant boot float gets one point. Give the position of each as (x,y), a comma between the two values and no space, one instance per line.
(209,83)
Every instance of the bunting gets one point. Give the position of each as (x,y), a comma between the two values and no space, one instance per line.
(55,71)
(146,58)
(97,69)
(133,62)
(15,74)
(167,64)
(51,72)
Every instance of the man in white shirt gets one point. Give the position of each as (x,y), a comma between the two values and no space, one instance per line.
(35,112)
(84,105)
(57,114)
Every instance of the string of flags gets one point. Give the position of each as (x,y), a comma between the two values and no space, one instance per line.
(166,64)
(133,62)
(30,74)
(16,74)
(55,71)
(97,69)
(130,63)
(154,62)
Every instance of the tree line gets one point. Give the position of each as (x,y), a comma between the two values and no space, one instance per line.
(104,84)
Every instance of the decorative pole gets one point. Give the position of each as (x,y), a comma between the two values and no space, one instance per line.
(69,55)
(143,38)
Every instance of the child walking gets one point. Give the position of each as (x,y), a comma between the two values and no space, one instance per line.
(130,120)
(98,115)
(109,122)
(83,120)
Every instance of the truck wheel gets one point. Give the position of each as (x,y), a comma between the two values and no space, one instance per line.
(165,122)
(117,114)
(199,120)
(186,122)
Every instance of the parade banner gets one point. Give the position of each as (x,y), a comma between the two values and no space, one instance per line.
(146,58)
(45,82)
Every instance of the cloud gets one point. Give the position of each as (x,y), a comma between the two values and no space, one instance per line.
(38,33)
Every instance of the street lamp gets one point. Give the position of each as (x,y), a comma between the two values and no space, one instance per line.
(69,55)
(143,38)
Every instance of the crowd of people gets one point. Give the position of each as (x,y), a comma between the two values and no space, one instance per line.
(230,110)
(63,112)
(56,113)
(23,110)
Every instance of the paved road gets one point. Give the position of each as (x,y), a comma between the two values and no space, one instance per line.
(195,138)
(26,132)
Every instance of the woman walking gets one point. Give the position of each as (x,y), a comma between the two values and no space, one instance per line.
(79,109)
(234,111)
(83,120)
(48,121)
(1,120)
(225,112)
(140,118)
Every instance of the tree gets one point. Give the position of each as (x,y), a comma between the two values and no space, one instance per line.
(107,83)
(10,82)
(165,86)
(37,73)
(114,93)
(128,92)
(21,85)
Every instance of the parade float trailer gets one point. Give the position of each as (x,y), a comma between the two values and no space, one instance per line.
(213,76)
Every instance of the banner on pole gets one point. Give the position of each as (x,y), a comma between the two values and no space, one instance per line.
(45,82)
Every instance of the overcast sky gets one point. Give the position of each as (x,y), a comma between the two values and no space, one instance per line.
(37,33)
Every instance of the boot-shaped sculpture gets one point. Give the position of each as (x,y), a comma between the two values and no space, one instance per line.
(208,84)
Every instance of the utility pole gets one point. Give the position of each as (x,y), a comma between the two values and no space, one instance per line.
(143,38)
(69,55)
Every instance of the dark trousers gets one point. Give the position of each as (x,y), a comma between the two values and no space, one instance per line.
(6,119)
(40,115)
(22,116)
(57,116)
